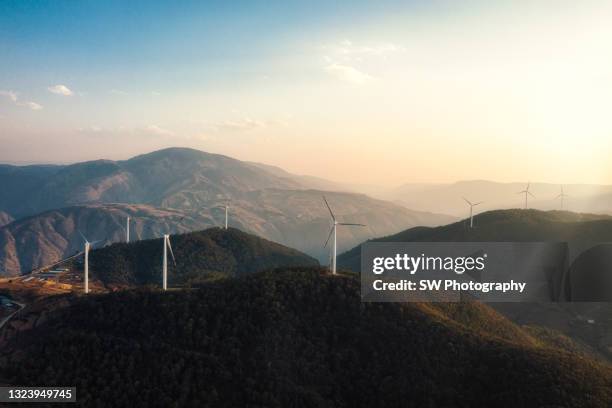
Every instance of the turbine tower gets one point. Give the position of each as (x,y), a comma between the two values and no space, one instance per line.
(527,193)
(226,208)
(86,262)
(472,205)
(127,230)
(226,213)
(333,232)
(165,261)
(561,196)
(86,267)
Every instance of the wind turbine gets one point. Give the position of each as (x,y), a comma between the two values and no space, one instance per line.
(127,230)
(86,262)
(472,205)
(562,196)
(165,263)
(226,212)
(226,208)
(527,193)
(333,232)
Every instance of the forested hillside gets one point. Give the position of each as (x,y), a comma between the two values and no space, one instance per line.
(296,338)
(503,226)
(200,256)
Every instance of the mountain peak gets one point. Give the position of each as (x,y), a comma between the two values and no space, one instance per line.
(176,153)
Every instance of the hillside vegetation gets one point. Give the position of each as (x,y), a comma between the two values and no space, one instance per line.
(296,338)
(200,256)
(589,324)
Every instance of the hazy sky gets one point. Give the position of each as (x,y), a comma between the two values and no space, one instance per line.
(368,92)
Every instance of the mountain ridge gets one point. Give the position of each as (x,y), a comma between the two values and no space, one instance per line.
(585,322)
(447,198)
(199,255)
(194,183)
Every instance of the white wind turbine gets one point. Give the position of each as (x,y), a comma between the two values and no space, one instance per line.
(333,232)
(226,208)
(226,214)
(472,205)
(165,261)
(561,196)
(86,262)
(527,193)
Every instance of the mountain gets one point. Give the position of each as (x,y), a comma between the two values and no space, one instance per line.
(299,218)
(447,198)
(175,177)
(5,218)
(587,323)
(296,218)
(192,185)
(503,226)
(293,338)
(53,235)
(199,256)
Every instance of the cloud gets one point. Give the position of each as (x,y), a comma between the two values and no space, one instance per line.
(90,129)
(10,94)
(347,49)
(31,105)
(14,97)
(347,73)
(156,130)
(342,59)
(241,125)
(60,90)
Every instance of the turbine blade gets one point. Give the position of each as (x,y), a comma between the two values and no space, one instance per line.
(83,236)
(467,201)
(530,194)
(478,203)
(329,208)
(171,253)
(328,237)
(95,242)
(349,223)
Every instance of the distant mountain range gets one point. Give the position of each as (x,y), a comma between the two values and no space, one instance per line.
(293,337)
(186,189)
(447,198)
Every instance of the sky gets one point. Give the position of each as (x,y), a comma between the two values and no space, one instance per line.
(380,93)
